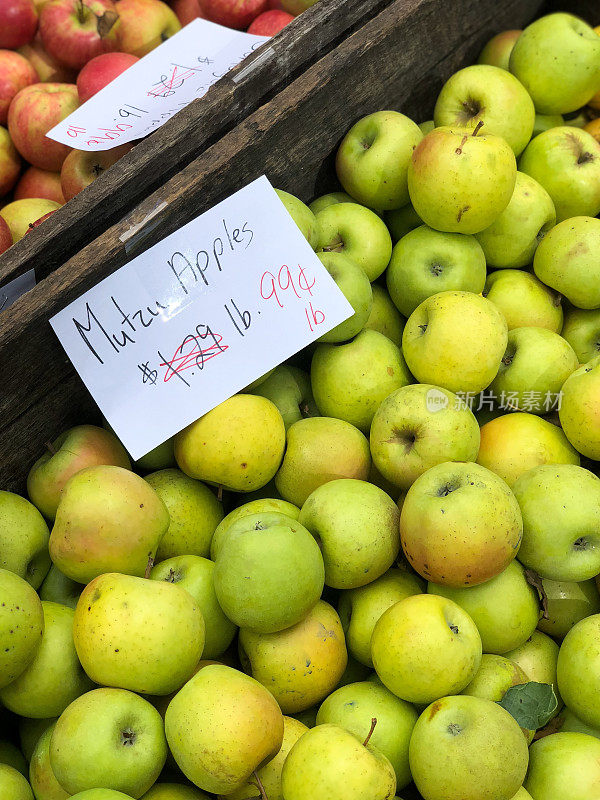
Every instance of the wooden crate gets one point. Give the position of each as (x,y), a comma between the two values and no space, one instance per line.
(399,59)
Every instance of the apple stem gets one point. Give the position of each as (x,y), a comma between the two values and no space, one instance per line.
(260,786)
(370,733)
(477,128)
(51,448)
(80,11)
(220,492)
(149,566)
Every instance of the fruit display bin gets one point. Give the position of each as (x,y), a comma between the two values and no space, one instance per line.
(398,60)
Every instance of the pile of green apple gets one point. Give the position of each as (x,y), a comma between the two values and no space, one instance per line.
(371,576)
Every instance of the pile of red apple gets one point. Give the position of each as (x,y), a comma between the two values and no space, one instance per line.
(55,55)
(375,570)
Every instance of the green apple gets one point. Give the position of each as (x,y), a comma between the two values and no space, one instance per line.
(350,380)
(262,506)
(460,525)
(425,647)
(100,794)
(108,519)
(60,589)
(582,331)
(384,316)
(318,450)
(330,199)
(301,665)
(23,539)
(568,603)
(543,122)
(21,626)
(195,575)
(194,513)
(54,678)
(230,719)
(455,340)
(42,778)
(402,220)
(174,791)
(13,757)
(505,609)
(330,763)
(571,723)
(495,677)
(426,261)
(360,608)
(467,747)
(515,443)
(417,427)
(30,731)
(427,126)
(357,527)
(487,94)
(160,457)
(497,51)
(579,409)
(578,670)
(372,160)
(459,180)
(302,216)
(289,388)
(352,281)
(354,706)
(358,233)
(535,365)
(566,162)
(355,672)
(565,765)
(524,300)
(560,504)
(108,738)
(13,785)
(537,657)
(138,634)
(557,59)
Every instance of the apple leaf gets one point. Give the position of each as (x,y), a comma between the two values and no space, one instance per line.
(531,704)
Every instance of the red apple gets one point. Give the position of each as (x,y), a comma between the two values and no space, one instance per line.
(15,74)
(187,10)
(49,70)
(20,214)
(33,112)
(270,22)
(10,163)
(144,25)
(100,71)
(39,221)
(5,236)
(39,183)
(234,13)
(82,168)
(18,23)
(74,31)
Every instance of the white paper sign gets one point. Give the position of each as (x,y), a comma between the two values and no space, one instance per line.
(199,316)
(14,289)
(155,88)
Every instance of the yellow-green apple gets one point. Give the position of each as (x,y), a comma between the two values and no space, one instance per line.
(543,122)
(11,755)
(32,113)
(228,717)
(417,427)
(237,445)
(23,539)
(296,7)
(467,747)
(524,300)
(534,366)
(372,160)
(269,23)
(101,794)
(566,162)
(261,507)
(289,388)
(425,647)
(483,93)
(6,239)
(358,233)
(39,183)
(329,199)
(12,784)
(80,168)
(60,589)
(560,504)
(572,723)
(505,609)
(515,443)
(21,626)
(426,262)
(48,68)
(578,411)
(74,31)
(30,731)
(565,765)
(18,23)
(120,743)
(108,519)
(300,666)
(15,74)
(41,777)
(350,380)
(331,763)
(497,51)
(258,566)
(354,706)
(455,340)
(233,13)
(401,221)
(384,316)
(54,678)
(357,527)
(495,676)
(578,670)
(99,71)
(568,603)
(352,281)
(321,449)
(581,329)
(160,457)
(20,215)
(557,59)
(302,216)
(111,612)
(460,180)
(354,672)
(460,524)
(10,163)
(145,24)
(194,513)
(427,126)
(76,448)
(361,608)
(174,791)
(537,657)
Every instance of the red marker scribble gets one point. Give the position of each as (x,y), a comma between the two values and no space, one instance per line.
(196,357)
(167,85)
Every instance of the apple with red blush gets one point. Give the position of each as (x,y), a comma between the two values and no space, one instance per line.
(81,168)
(15,74)
(40,183)
(74,31)
(18,23)
(5,237)
(145,24)
(234,13)
(270,22)
(187,10)
(49,70)
(100,71)
(39,221)
(10,163)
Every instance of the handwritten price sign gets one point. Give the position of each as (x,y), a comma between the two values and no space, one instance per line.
(200,315)
(155,88)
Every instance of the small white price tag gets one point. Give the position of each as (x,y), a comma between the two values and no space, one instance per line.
(199,316)
(12,290)
(155,88)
